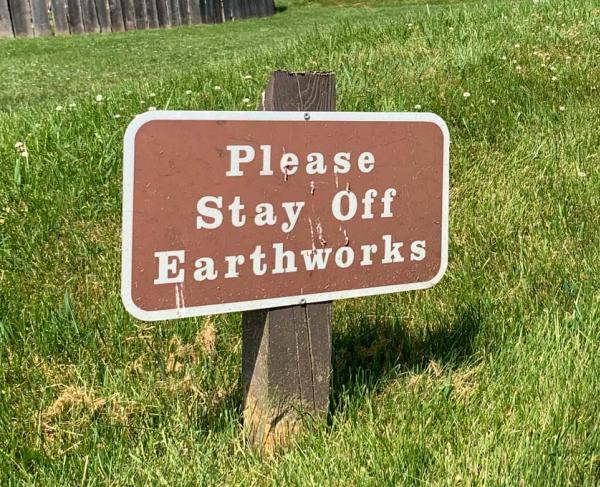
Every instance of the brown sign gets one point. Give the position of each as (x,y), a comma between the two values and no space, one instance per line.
(230,211)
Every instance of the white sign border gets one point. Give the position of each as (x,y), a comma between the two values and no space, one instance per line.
(187,312)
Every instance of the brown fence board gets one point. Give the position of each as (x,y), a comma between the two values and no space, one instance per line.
(211,11)
(128,14)
(103,15)
(140,14)
(163,13)
(5,22)
(184,12)
(174,10)
(116,16)
(28,18)
(20,12)
(39,17)
(151,14)
(75,17)
(60,17)
(89,17)
(195,14)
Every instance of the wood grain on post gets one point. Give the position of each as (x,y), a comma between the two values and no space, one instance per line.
(116,16)
(286,352)
(139,7)
(195,14)
(163,13)
(39,16)
(152,15)
(20,12)
(102,10)
(175,14)
(89,16)
(128,14)
(5,22)
(184,12)
(60,16)
(75,17)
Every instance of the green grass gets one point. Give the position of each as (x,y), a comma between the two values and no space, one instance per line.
(64,67)
(492,377)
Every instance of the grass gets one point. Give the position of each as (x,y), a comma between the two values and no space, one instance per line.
(63,68)
(492,377)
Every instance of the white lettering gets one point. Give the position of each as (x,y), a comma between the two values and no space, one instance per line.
(236,158)
(392,251)
(206,211)
(336,205)
(292,210)
(168,266)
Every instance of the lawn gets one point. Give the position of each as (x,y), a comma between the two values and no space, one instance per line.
(491,377)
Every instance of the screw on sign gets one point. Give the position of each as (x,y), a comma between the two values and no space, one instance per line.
(240,211)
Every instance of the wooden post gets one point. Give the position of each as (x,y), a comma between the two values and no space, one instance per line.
(139,7)
(128,14)
(195,14)
(5,23)
(89,16)
(152,15)
(102,10)
(286,352)
(116,16)
(163,13)
(75,17)
(175,14)
(39,16)
(20,12)
(60,16)
(184,12)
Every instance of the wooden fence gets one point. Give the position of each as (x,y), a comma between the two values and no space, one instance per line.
(33,18)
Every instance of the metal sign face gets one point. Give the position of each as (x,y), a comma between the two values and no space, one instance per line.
(231,211)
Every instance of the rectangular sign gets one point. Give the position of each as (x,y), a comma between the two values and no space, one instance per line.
(231,211)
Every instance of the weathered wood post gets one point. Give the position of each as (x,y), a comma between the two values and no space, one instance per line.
(6,29)
(286,357)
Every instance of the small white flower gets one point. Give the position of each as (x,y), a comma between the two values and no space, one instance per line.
(247,77)
(568,58)
(152,95)
(18,145)
(246,100)
(417,107)
(466,94)
(554,78)
(188,92)
(24,153)
(517,46)
(72,105)
(493,102)
(99,98)
(217,88)
(118,115)
(503,58)
(561,108)
(151,109)
(59,108)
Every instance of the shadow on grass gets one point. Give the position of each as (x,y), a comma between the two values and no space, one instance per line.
(373,345)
